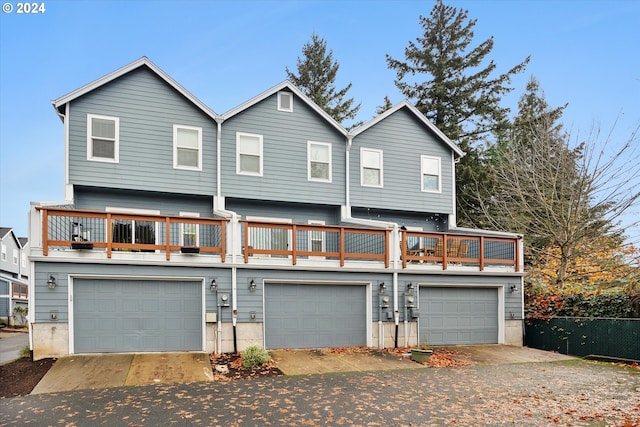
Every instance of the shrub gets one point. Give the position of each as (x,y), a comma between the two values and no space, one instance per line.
(255,356)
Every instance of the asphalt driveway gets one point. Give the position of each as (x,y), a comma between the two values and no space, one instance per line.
(11,344)
(573,392)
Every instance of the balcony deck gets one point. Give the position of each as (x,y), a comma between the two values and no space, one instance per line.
(105,234)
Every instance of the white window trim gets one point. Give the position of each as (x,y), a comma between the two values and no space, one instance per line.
(280,107)
(116,148)
(323,237)
(422,159)
(175,148)
(4,253)
(253,135)
(190,215)
(309,177)
(373,150)
(16,256)
(274,220)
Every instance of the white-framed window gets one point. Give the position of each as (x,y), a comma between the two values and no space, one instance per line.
(16,256)
(23,260)
(371,174)
(187,147)
(249,154)
(279,239)
(431,174)
(103,138)
(4,253)
(317,239)
(189,233)
(133,231)
(318,161)
(285,101)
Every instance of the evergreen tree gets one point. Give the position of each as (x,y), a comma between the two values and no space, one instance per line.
(316,78)
(448,83)
(384,107)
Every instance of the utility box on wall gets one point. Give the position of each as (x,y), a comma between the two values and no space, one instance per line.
(211,317)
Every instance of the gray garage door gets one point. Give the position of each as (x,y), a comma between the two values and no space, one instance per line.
(136,315)
(459,315)
(315,316)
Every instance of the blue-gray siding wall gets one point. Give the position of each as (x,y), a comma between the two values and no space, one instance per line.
(512,301)
(147,108)
(403,140)
(425,221)
(47,299)
(285,137)
(10,245)
(298,213)
(4,297)
(95,198)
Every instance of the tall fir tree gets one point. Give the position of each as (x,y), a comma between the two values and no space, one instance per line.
(316,76)
(449,83)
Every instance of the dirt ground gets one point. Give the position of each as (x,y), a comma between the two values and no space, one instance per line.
(19,377)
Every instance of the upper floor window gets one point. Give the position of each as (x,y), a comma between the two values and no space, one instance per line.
(187,147)
(249,154)
(285,101)
(189,233)
(4,253)
(16,256)
(371,167)
(103,138)
(319,161)
(431,175)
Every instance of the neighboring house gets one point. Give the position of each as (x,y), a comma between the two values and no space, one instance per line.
(271,224)
(14,274)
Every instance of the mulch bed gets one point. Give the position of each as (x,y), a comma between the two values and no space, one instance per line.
(236,371)
(19,377)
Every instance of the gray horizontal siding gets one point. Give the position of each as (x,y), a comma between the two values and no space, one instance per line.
(298,213)
(94,198)
(285,136)
(252,301)
(56,299)
(147,108)
(403,140)
(425,221)
(10,245)
(512,301)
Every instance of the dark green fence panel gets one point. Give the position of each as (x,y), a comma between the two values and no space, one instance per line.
(582,336)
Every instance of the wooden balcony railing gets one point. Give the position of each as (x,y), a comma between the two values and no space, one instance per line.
(458,249)
(310,241)
(110,231)
(123,232)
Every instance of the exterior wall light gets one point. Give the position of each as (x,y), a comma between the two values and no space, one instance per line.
(252,286)
(214,286)
(410,288)
(383,287)
(513,289)
(51,283)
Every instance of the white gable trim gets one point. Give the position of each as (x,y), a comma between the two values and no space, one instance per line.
(144,61)
(277,88)
(419,116)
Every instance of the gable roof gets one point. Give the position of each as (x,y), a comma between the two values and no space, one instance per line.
(5,231)
(412,109)
(23,241)
(59,103)
(277,88)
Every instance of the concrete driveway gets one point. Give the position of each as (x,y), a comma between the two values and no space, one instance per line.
(117,370)
(101,371)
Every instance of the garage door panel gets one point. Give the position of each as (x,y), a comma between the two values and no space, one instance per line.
(130,316)
(312,316)
(459,315)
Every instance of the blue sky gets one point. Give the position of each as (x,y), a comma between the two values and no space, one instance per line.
(585,53)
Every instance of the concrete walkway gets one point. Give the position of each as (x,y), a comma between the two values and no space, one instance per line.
(324,361)
(117,370)
(11,345)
